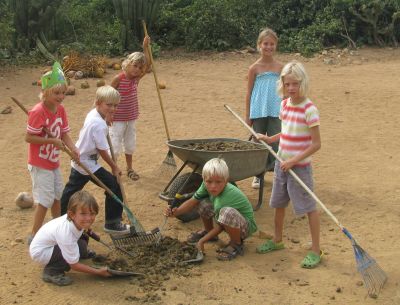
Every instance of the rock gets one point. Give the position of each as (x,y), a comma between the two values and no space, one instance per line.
(359,283)
(78,75)
(116,66)
(338,289)
(6,110)
(24,200)
(329,61)
(100,82)
(250,49)
(294,240)
(99,72)
(70,90)
(162,84)
(70,74)
(85,85)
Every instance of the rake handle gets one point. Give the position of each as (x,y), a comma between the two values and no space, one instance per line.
(115,160)
(156,81)
(98,181)
(294,175)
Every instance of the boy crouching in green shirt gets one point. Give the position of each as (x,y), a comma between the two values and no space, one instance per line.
(218,199)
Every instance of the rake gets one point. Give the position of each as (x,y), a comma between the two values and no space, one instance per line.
(137,235)
(169,165)
(372,274)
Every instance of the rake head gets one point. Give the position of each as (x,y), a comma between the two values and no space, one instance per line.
(373,275)
(129,241)
(168,167)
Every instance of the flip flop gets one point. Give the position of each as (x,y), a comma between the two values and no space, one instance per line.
(133,175)
(269,246)
(312,260)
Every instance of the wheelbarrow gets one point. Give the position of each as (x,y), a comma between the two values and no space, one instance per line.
(242,164)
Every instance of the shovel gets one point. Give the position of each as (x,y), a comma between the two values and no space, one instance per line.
(198,259)
(123,273)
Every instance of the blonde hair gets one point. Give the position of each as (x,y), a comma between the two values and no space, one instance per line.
(45,93)
(297,71)
(216,167)
(264,34)
(80,200)
(135,57)
(107,94)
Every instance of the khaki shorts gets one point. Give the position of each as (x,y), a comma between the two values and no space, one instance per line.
(285,188)
(227,216)
(47,185)
(123,135)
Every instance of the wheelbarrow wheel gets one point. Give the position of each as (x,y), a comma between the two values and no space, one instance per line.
(191,186)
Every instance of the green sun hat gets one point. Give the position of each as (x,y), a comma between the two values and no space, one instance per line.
(54,77)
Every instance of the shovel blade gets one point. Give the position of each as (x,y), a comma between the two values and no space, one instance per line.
(199,258)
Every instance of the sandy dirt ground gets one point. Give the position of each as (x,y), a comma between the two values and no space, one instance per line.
(356,176)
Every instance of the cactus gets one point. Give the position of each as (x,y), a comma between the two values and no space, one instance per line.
(130,13)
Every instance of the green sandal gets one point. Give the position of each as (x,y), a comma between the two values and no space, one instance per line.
(269,246)
(312,260)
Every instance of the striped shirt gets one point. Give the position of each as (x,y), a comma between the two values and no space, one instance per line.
(296,123)
(128,107)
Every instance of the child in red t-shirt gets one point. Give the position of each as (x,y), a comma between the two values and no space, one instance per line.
(44,150)
(123,130)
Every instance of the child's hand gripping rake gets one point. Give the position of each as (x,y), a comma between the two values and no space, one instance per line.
(373,275)
(137,235)
(169,164)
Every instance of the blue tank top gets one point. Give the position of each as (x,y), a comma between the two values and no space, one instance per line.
(264,101)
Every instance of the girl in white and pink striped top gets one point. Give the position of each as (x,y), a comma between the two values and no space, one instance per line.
(298,140)
(123,131)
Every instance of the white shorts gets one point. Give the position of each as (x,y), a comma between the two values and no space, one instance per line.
(123,134)
(47,185)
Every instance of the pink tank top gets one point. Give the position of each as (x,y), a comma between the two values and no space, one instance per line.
(128,107)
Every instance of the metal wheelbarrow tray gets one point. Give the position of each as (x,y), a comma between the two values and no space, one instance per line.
(242,163)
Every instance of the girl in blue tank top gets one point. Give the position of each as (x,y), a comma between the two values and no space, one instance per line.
(262,101)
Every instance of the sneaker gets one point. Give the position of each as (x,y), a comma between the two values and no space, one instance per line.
(256,183)
(117,228)
(57,279)
(90,254)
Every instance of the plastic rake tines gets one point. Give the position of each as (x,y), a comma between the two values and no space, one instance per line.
(131,240)
(373,276)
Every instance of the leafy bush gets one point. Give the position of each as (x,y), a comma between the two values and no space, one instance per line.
(91,26)
(6,29)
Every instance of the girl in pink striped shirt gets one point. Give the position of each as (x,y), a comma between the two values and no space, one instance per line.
(123,131)
(298,140)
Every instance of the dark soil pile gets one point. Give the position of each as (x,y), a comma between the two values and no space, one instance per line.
(222,146)
(156,262)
